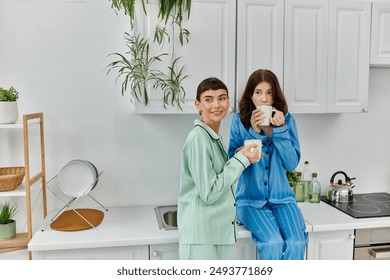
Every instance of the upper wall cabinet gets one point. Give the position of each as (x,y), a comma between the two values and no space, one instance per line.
(349,56)
(306,55)
(260,35)
(210,51)
(380,35)
(327,46)
(319,49)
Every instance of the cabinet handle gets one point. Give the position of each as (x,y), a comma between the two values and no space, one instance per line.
(380,253)
(154,254)
(352,236)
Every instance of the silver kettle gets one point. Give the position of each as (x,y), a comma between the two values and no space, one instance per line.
(340,191)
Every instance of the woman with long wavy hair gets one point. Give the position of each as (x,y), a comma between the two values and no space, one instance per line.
(266,205)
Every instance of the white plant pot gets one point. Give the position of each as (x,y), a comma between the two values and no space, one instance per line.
(8,112)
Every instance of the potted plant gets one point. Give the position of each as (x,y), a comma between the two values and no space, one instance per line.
(7,224)
(293,178)
(8,105)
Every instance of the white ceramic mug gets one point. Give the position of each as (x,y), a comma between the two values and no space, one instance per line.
(254,141)
(267,113)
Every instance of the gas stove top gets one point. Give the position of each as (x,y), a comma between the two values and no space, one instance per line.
(364,205)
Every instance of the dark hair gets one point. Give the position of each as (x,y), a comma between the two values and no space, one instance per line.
(246,104)
(211,83)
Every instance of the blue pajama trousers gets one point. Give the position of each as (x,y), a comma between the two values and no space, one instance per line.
(277,229)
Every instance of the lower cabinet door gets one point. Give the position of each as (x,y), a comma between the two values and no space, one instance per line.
(106,253)
(243,249)
(331,245)
(164,251)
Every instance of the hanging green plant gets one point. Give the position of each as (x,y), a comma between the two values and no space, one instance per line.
(137,66)
(171,85)
(169,11)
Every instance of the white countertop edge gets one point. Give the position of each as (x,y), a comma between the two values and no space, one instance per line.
(371,223)
(139,228)
(69,245)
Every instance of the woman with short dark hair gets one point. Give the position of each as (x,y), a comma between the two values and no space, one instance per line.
(206,206)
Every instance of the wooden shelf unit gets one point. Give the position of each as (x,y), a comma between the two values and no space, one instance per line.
(24,190)
(18,243)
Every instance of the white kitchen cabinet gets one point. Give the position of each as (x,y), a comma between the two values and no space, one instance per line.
(243,249)
(327,46)
(319,49)
(210,51)
(107,253)
(380,35)
(260,36)
(164,251)
(305,68)
(349,56)
(330,245)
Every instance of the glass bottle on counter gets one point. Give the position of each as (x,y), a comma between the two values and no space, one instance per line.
(314,194)
(306,179)
(298,190)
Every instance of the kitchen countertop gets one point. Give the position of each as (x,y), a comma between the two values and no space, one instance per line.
(134,226)
(120,227)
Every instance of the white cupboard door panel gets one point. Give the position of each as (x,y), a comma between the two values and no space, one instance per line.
(306,26)
(348,65)
(106,253)
(259,39)
(332,245)
(380,37)
(164,251)
(210,51)
(243,249)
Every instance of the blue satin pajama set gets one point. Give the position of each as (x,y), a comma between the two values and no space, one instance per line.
(266,204)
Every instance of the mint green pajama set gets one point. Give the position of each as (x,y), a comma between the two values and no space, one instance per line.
(206,204)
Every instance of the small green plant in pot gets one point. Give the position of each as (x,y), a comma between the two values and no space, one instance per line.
(7,224)
(293,178)
(8,105)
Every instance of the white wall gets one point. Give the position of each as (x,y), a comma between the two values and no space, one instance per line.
(55,53)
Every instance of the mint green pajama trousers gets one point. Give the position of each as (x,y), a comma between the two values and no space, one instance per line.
(204,252)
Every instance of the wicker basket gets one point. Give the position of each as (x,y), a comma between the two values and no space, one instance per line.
(11,177)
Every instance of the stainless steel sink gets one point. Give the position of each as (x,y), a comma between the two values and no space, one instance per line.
(166,217)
